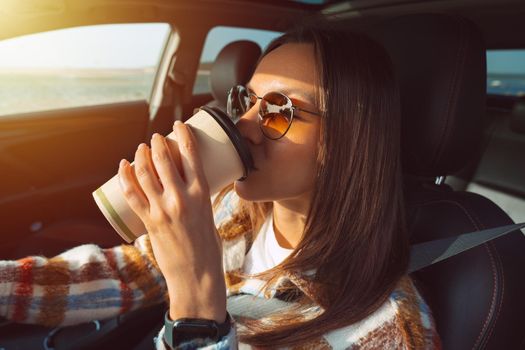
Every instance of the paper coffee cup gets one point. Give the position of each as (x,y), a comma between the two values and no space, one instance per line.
(225,158)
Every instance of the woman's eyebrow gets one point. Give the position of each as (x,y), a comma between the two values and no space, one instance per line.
(304,97)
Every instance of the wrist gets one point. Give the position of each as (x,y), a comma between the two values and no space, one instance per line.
(205,299)
(215,313)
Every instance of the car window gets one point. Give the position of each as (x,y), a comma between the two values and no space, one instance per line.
(219,37)
(506,72)
(79,66)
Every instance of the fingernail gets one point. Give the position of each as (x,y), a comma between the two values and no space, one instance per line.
(177,122)
(123,163)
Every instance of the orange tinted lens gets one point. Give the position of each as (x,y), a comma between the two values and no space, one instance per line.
(276,114)
(274,125)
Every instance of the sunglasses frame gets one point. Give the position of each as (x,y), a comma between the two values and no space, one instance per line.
(292,107)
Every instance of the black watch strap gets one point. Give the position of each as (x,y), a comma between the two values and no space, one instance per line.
(187,329)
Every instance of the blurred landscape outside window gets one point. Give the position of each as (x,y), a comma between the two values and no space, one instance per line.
(218,38)
(81,66)
(506,72)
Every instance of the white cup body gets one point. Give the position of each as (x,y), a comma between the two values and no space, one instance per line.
(221,161)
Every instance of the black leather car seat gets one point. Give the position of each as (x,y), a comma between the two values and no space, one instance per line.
(478,296)
(234,65)
(500,171)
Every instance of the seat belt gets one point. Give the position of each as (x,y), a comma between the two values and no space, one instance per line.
(428,253)
(421,255)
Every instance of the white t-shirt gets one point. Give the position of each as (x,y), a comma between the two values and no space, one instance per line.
(265,251)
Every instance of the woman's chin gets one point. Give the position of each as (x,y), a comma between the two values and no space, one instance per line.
(246,190)
(241,189)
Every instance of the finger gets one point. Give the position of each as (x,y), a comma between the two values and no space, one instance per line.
(133,194)
(173,146)
(146,173)
(167,170)
(191,162)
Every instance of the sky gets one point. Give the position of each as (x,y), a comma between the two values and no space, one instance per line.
(109,46)
(102,46)
(506,61)
(140,45)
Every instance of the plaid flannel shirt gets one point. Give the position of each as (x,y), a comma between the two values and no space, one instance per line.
(88,283)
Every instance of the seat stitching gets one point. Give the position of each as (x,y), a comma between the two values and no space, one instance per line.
(491,309)
(477,224)
(491,246)
(494,293)
(472,221)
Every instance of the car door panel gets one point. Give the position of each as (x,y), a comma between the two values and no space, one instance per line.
(54,160)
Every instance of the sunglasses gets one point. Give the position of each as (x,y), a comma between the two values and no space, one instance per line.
(276,110)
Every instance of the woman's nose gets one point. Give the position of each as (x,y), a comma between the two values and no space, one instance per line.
(248,126)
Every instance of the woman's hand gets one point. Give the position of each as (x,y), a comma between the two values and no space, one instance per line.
(169,192)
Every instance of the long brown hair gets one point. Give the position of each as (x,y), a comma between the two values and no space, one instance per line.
(355,236)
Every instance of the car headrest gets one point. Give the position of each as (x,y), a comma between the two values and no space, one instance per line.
(441,67)
(517,118)
(234,65)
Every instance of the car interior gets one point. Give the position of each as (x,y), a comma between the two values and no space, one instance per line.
(462,161)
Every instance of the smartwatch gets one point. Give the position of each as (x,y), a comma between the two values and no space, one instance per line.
(186,329)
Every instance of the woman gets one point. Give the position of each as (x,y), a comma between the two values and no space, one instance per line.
(320,221)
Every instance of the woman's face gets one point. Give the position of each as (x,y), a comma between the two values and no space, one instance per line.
(285,167)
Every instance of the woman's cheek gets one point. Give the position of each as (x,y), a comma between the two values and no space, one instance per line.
(297,170)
